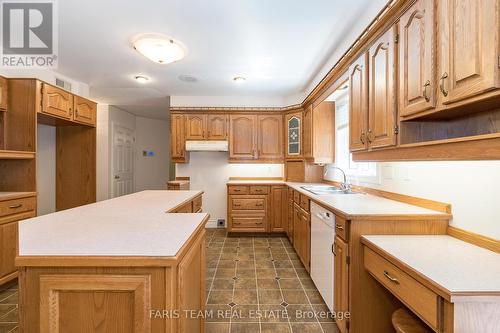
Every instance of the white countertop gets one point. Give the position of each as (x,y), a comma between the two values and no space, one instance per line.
(132,225)
(359,205)
(455,265)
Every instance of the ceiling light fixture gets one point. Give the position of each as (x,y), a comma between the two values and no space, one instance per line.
(141,79)
(159,48)
(239,79)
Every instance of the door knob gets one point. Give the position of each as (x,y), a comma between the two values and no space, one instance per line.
(117,177)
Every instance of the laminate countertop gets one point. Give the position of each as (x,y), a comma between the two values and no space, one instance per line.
(133,225)
(354,206)
(455,266)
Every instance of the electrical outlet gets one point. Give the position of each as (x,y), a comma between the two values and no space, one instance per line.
(221,223)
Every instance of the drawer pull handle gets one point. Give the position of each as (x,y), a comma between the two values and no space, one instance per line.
(392,279)
(259,205)
(258,223)
(236,190)
(237,205)
(340,226)
(16,206)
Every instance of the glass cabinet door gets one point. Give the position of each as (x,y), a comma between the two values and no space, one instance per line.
(293,136)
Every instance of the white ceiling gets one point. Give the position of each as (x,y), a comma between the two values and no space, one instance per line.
(277,45)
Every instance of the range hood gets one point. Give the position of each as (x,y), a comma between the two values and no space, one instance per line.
(207,146)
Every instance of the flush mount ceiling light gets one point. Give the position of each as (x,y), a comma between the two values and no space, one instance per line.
(239,79)
(159,48)
(141,79)
(187,78)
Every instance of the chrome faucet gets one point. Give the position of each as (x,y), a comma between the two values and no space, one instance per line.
(344,186)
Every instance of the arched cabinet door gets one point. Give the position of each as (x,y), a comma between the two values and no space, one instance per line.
(358,104)
(294,135)
(270,137)
(242,137)
(195,126)
(217,127)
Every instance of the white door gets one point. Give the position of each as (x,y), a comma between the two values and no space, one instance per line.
(122,164)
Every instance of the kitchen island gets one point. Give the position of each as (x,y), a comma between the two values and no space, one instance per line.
(122,265)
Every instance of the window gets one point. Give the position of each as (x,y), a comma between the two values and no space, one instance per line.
(361,171)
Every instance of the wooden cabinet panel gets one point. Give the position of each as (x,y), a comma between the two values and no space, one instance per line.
(8,244)
(217,127)
(3,93)
(358,104)
(321,135)
(297,230)
(293,123)
(248,222)
(195,126)
(85,111)
(290,221)
(270,137)
(242,137)
(417,59)
(341,282)
(248,203)
(382,94)
(17,206)
(469,48)
(178,138)
(57,102)
(302,235)
(279,205)
(259,189)
(235,189)
(307,132)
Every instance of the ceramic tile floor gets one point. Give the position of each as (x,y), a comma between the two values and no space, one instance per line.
(8,308)
(254,285)
(258,285)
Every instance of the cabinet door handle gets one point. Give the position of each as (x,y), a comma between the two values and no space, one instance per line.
(16,206)
(441,84)
(339,226)
(333,250)
(258,223)
(426,85)
(392,279)
(259,205)
(362,137)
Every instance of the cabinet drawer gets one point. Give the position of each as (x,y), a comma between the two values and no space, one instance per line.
(238,190)
(259,189)
(186,208)
(248,222)
(416,296)
(296,197)
(197,203)
(341,226)
(248,203)
(16,206)
(304,202)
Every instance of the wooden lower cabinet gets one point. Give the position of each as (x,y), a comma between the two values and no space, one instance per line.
(126,295)
(302,235)
(3,93)
(257,208)
(11,212)
(341,283)
(193,206)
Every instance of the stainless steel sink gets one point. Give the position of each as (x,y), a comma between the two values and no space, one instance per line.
(322,189)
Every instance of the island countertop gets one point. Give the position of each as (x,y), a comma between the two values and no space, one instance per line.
(133,225)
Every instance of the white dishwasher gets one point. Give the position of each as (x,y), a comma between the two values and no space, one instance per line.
(322,260)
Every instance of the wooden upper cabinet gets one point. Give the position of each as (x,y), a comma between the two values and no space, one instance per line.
(196,125)
(469,48)
(270,137)
(217,127)
(57,102)
(358,104)
(319,133)
(382,93)
(293,126)
(417,59)
(85,111)
(242,137)
(178,138)
(3,93)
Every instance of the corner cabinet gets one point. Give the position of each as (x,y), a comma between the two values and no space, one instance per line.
(293,135)
(178,139)
(318,133)
(3,93)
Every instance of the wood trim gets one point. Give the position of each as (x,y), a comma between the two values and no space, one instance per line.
(52,285)
(16,155)
(8,278)
(476,239)
(16,195)
(415,201)
(255,178)
(206,109)
(182,178)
